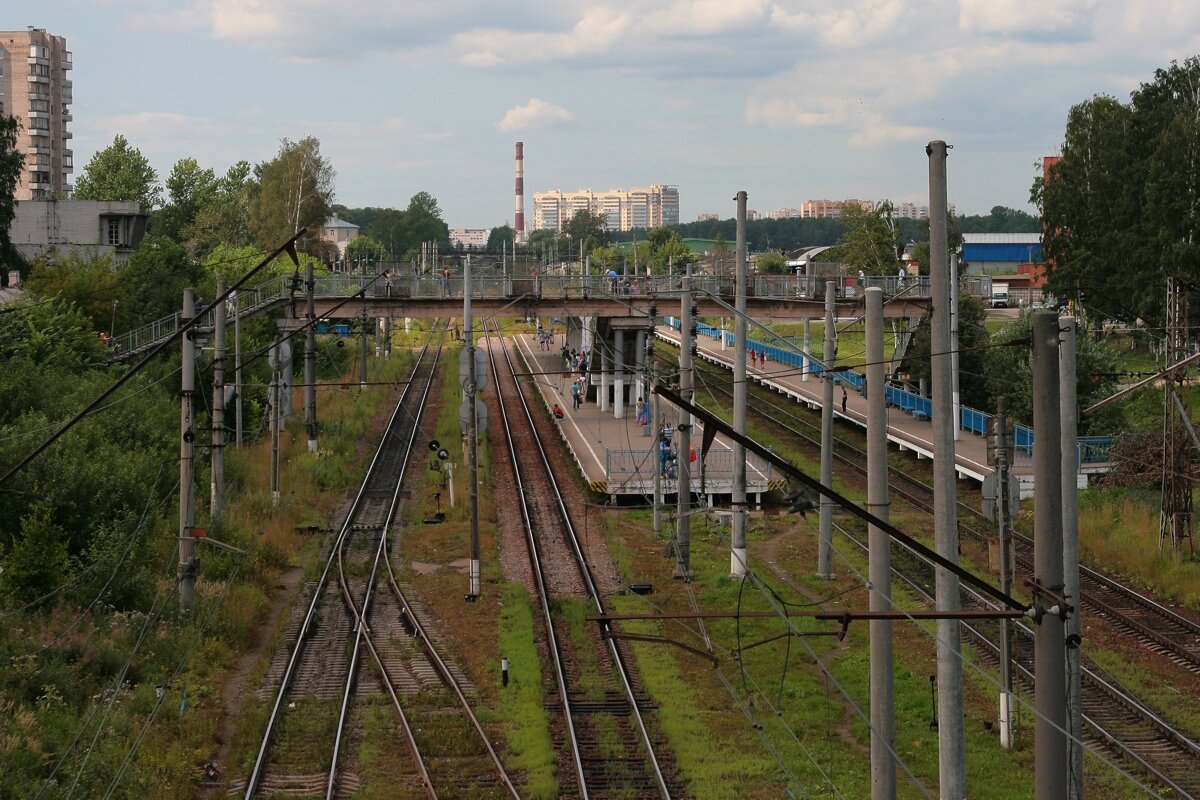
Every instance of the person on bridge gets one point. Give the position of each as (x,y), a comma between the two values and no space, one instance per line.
(446,280)
(641,416)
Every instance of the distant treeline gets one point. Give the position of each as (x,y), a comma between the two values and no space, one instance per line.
(772,234)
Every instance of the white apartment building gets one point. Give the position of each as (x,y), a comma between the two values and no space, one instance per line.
(34,88)
(622,210)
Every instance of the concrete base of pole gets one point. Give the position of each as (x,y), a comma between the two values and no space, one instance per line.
(275,498)
(737,562)
(1006,738)
(312,445)
(474,582)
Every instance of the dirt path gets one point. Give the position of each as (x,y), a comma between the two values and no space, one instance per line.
(237,693)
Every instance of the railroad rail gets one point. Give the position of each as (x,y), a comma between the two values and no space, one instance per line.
(627,766)
(309,747)
(1151,623)
(1118,722)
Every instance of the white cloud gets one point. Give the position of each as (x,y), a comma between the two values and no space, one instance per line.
(599,31)
(1035,18)
(537,113)
(786,113)
(708,17)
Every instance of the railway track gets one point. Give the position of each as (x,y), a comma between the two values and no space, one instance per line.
(360,677)
(607,747)
(1117,722)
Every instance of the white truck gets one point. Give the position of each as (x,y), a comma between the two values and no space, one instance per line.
(999,295)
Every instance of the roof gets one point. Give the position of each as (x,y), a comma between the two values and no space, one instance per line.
(336,222)
(1002,238)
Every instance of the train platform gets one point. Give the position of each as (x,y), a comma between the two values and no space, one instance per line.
(619,457)
(908,430)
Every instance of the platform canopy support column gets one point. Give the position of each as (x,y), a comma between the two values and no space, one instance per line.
(619,374)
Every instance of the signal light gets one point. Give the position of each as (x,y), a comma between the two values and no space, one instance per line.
(433,445)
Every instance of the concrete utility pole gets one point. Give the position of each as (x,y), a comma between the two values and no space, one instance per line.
(825,528)
(656,460)
(619,374)
(956,399)
(473,590)
(237,370)
(883,712)
(1007,709)
(276,419)
(951,737)
(683,497)
(737,559)
(187,435)
(1050,762)
(217,499)
(362,380)
(310,358)
(1070,539)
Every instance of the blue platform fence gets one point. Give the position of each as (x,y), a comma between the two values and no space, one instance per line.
(1088,450)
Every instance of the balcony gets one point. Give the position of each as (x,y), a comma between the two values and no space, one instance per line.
(68,135)
(37,151)
(38,79)
(39,95)
(66,60)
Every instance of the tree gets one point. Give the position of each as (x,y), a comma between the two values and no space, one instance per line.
(667,251)
(190,189)
(771,262)
(295,191)
(872,241)
(119,172)
(1009,371)
(12,162)
(586,229)
(500,236)
(954,238)
(90,281)
(224,219)
(1121,208)
(155,277)
(423,222)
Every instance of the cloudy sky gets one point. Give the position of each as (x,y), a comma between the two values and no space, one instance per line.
(789,100)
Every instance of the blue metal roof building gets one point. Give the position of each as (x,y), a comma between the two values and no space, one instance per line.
(1000,253)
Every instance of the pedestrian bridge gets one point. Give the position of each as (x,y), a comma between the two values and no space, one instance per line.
(769,298)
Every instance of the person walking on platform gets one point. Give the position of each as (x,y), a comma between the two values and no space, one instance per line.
(640,417)
(575,396)
(753,355)
(843,401)
(762,359)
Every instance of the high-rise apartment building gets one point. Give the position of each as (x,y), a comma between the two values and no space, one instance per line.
(622,210)
(35,89)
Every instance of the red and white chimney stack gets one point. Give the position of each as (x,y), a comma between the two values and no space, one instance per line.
(519,210)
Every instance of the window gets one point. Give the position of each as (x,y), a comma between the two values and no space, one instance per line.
(114,232)
(39,105)
(41,123)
